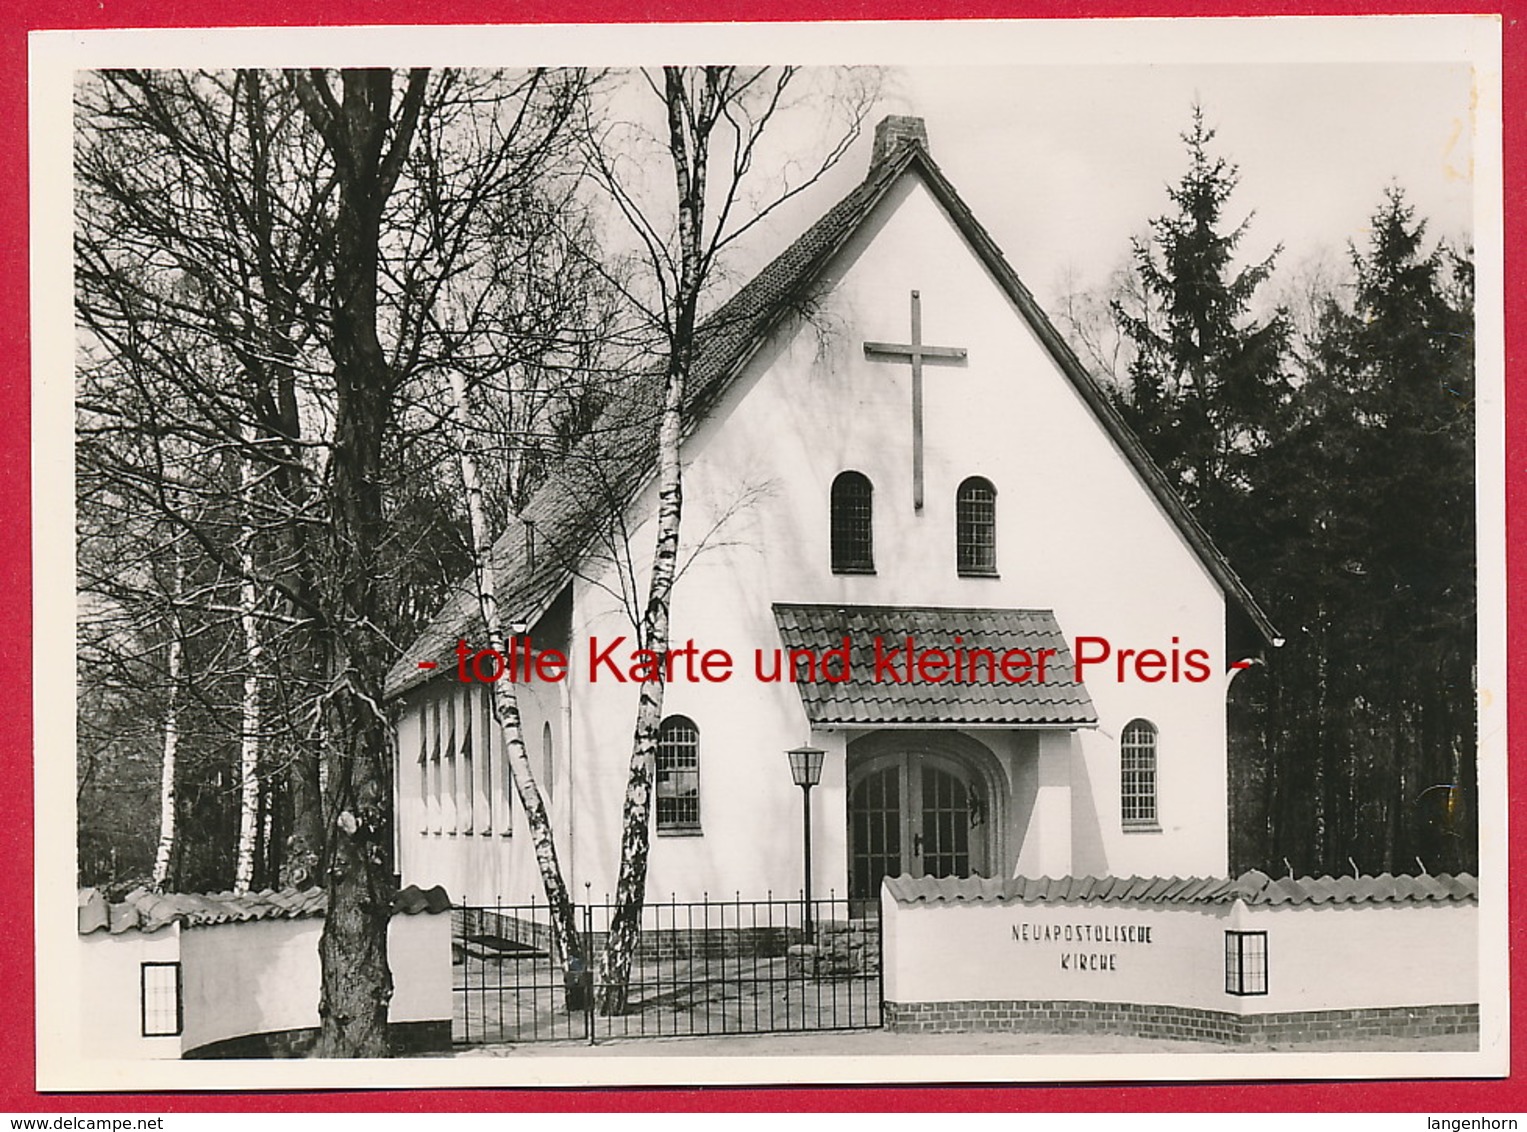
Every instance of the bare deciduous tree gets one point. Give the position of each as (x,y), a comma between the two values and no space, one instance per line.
(262,342)
(716,120)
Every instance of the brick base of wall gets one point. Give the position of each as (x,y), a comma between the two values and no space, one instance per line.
(1154,1021)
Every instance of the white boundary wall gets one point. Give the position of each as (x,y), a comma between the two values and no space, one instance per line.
(111,1019)
(244,978)
(1320,957)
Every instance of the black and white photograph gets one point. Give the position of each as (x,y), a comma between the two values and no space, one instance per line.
(606,556)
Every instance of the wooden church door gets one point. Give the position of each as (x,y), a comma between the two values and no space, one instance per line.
(921,814)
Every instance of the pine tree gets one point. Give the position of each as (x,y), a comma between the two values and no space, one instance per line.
(1410,359)
(1345,498)
(1361,735)
(1206,379)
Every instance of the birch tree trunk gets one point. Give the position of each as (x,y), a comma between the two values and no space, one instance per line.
(688,145)
(171,742)
(249,721)
(505,701)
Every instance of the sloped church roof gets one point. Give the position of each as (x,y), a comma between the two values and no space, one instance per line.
(564,517)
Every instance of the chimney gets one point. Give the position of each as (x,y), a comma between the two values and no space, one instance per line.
(895,131)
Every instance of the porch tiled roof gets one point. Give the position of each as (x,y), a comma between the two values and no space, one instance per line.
(147,911)
(1254,887)
(863,700)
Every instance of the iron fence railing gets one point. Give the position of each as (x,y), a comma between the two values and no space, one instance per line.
(700,967)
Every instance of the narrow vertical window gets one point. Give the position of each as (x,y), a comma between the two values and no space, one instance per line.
(678,776)
(468,803)
(1245,963)
(548,765)
(437,776)
(449,815)
(424,768)
(481,706)
(1137,768)
(163,1016)
(975,528)
(853,526)
(496,754)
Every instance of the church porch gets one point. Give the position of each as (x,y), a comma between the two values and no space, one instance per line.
(927,775)
(942,802)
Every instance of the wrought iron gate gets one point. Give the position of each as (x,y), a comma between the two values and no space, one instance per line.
(701,967)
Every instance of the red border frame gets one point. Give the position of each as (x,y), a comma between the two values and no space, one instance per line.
(17,993)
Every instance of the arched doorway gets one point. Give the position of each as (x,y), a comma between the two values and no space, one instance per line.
(923,805)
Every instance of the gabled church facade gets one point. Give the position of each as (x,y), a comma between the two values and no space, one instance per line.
(891,451)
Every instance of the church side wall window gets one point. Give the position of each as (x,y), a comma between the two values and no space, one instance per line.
(448,816)
(432,715)
(975,522)
(1137,765)
(853,524)
(548,766)
(500,785)
(1245,963)
(424,768)
(480,705)
(464,767)
(678,776)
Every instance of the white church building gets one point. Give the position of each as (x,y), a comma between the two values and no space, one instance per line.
(888,440)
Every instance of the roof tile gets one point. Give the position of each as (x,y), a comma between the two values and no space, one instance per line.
(1253,887)
(870,696)
(149,911)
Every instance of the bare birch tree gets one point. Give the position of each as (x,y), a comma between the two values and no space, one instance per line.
(249,714)
(250,276)
(504,694)
(524,326)
(715,121)
(171,738)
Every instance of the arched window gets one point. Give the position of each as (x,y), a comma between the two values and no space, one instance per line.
(1137,766)
(425,801)
(975,527)
(495,767)
(678,776)
(853,526)
(466,806)
(548,764)
(436,775)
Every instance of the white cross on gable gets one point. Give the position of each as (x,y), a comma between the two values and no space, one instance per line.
(915,352)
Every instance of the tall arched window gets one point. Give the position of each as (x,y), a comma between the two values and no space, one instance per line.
(1137,766)
(495,768)
(975,527)
(678,776)
(466,805)
(548,762)
(424,795)
(853,524)
(436,775)
(449,811)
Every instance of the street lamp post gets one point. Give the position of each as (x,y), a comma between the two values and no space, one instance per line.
(806,770)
